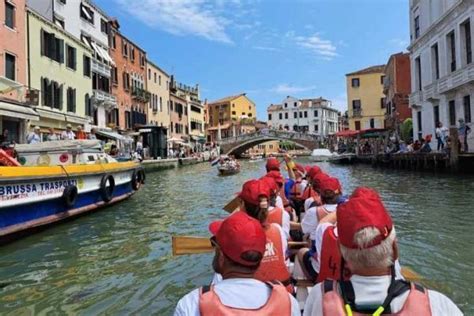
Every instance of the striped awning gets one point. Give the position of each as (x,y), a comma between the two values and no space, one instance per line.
(18,111)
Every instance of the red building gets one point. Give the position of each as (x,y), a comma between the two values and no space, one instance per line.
(128,81)
(397,88)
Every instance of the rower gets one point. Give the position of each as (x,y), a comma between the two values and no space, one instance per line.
(276,214)
(239,242)
(310,195)
(330,190)
(272,164)
(367,242)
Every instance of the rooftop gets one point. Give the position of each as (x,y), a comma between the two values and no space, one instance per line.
(227,99)
(368,70)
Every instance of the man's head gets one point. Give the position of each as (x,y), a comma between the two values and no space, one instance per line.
(51,130)
(299,171)
(367,237)
(317,180)
(272,164)
(273,188)
(69,127)
(255,195)
(277,177)
(239,242)
(36,130)
(79,128)
(313,171)
(93,131)
(330,189)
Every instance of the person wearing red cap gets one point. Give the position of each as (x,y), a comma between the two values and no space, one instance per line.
(330,190)
(276,214)
(272,164)
(240,244)
(310,194)
(367,242)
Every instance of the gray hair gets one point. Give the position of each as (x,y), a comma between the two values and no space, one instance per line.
(380,256)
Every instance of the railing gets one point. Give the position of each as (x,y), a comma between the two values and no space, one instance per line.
(456,79)
(269,133)
(104,98)
(416,98)
(100,68)
(355,112)
(431,91)
(141,94)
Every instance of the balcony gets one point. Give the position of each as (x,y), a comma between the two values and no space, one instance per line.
(416,99)
(431,91)
(105,99)
(140,94)
(456,79)
(100,68)
(357,112)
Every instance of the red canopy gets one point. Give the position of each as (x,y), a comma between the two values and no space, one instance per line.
(347,133)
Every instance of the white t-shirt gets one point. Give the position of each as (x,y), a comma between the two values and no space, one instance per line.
(65,135)
(307,203)
(310,220)
(285,223)
(279,202)
(373,290)
(237,293)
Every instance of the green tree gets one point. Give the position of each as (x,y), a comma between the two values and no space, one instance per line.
(406,129)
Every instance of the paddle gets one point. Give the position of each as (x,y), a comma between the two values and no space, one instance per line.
(232,205)
(188,245)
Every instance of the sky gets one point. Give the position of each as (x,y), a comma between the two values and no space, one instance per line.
(266,48)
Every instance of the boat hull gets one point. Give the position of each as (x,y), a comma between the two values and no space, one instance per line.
(31,197)
(228,172)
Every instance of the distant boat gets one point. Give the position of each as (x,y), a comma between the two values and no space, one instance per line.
(345,158)
(256,158)
(321,154)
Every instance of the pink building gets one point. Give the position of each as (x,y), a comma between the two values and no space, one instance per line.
(14,113)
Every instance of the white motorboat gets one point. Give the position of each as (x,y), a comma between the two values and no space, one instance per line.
(321,154)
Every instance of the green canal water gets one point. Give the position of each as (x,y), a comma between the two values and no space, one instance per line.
(118,261)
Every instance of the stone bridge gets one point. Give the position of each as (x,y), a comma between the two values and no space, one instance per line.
(238,145)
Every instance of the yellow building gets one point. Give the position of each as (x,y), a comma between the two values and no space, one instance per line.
(266,148)
(228,114)
(365,98)
(158,106)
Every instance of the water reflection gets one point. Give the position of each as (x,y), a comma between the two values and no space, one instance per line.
(118,261)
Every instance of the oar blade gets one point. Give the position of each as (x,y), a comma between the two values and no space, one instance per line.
(232,205)
(187,245)
(411,275)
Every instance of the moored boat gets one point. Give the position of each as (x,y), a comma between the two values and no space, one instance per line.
(226,171)
(59,180)
(320,155)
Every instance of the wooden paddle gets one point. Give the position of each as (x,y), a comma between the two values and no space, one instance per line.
(232,205)
(188,245)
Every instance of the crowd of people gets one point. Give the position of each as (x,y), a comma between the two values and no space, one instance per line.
(34,136)
(352,258)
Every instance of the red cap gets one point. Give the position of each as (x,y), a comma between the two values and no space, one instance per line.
(307,168)
(252,190)
(276,175)
(270,183)
(272,164)
(300,168)
(318,178)
(365,192)
(361,212)
(330,184)
(314,170)
(238,234)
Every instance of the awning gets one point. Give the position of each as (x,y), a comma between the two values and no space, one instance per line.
(174,139)
(347,133)
(111,135)
(102,53)
(18,111)
(215,128)
(86,13)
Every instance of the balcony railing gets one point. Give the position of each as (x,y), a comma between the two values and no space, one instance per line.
(357,112)
(141,94)
(431,91)
(104,98)
(456,79)
(416,98)
(100,68)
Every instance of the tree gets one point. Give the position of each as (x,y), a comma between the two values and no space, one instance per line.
(406,129)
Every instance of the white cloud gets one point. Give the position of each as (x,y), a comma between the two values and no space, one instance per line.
(284,88)
(316,45)
(203,18)
(340,102)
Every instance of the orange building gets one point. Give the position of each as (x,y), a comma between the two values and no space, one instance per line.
(128,81)
(179,129)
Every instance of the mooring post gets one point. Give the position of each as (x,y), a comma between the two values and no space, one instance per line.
(454,154)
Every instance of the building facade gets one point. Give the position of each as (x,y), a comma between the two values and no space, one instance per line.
(442,69)
(316,116)
(57,67)
(158,107)
(397,88)
(229,116)
(87,22)
(128,82)
(365,98)
(15,113)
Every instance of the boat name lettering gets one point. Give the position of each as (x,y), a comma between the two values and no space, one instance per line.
(15,189)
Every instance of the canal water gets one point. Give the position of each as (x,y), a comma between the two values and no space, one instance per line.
(118,261)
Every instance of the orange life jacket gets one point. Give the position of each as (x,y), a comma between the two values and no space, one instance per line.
(310,192)
(275,216)
(417,302)
(278,304)
(330,264)
(273,265)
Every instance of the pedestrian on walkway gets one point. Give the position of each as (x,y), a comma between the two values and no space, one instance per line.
(52,135)
(68,134)
(441,134)
(463,131)
(34,137)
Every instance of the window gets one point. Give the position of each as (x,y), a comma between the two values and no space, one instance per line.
(51,94)
(357,125)
(452,112)
(52,47)
(295,114)
(418,73)
(356,104)
(295,104)
(355,82)
(420,127)
(132,54)
(142,60)
(269,116)
(233,113)
(124,48)
(382,103)
(171,105)
(59,22)
(104,28)
(161,104)
(155,77)
(86,61)
(114,75)
(435,61)
(280,116)
(149,74)
(466,28)
(286,115)
(9,15)
(159,80)
(71,100)
(126,80)
(451,43)
(10,66)
(316,128)
(70,57)
(286,105)
(62,1)
(372,123)
(436,114)
(417,26)
(467,108)
(87,14)
(114,42)
(315,113)
(305,114)
(88,105)
(250,115)
(382,79)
